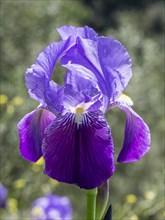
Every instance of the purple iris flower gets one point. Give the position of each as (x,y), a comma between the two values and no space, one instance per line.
(69,128)
(51,207)
(3,196)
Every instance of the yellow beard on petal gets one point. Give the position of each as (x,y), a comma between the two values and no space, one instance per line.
(79,115)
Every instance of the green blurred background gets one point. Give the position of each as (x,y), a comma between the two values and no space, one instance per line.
(27,27)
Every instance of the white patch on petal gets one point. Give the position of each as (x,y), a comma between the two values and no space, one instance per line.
(79,115)
(125,100)
(83,105)
(79,112)
(30,70)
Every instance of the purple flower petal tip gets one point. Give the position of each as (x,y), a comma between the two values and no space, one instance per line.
(84,32)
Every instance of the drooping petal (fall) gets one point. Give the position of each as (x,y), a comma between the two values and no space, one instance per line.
(105,61)
(80,154)
(84,32)
(136,138)
(31,131)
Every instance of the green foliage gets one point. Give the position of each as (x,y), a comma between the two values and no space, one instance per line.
(27,27)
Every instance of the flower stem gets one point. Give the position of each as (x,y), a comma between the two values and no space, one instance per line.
(102,200)
(91,204)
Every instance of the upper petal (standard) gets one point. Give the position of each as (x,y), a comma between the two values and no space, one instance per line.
(78,89)
(105,61)
(84,32)
(38,76)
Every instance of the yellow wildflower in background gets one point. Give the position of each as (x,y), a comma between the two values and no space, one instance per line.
(134,217)
(37,211)
(12,205)
(53,182)
(3,99)
(17,100)
(20,183)
(149,195)
(10,108)
(40,162)
(131,199)
(36,168)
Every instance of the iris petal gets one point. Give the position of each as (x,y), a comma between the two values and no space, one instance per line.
(116,65)
(137,136)
(74,78)
(31,131)
(84,32)
(105,61)
(79,154)
(79,89)
(38,76)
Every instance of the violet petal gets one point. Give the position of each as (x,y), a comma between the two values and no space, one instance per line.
(84,32)
(31,131)
(79,154)
(105,61)
(38,76)
(79,89)
(137,136)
